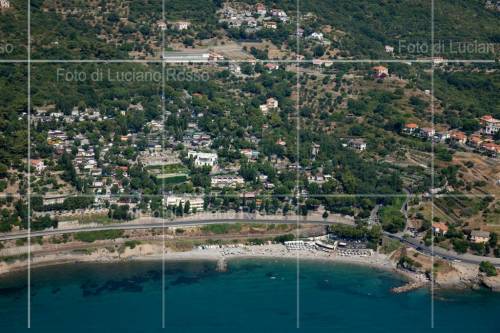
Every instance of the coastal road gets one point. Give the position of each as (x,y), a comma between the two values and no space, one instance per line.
(159,223)
(437,251)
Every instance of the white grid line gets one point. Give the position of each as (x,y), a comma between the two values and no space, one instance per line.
(433,156)
(277,61)
(29,163)
(163,111)
(298,127)
(280,196)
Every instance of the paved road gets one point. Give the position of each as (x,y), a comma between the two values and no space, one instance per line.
(373,219)
(154,225)
(158,223)
(442,253)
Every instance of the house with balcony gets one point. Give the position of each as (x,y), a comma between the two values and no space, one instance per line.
(380,72)
(357,144)
(458,137)
(490,125)
(410,128)
(439,228)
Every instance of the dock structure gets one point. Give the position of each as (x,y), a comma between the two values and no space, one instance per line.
(221,265)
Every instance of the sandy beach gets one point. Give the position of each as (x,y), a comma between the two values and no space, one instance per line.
(153,251)
(464,276)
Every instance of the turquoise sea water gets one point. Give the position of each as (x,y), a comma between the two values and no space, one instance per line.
(252,296)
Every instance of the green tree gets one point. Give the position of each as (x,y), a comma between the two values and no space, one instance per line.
(488,268)
(3,170)
(460,245)
(493,240)
(179,211)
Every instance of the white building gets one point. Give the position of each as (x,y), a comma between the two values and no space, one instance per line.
(264,109)
(389,49)
(161,25)
(249,153)
(203,159)
(227,181)
(235,68)
(479,236)
(427,132)
(195,203)
(260,8)
(53,198)
(4,4)
(490,124)
(39,165)
(271,103)
(316,36)
(381,71)
(278,13)
(182,25)
(315,149)
(270,25)
(272,66)
(357,144)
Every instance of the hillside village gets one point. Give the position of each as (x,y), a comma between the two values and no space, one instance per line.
(134,173)
(482,141)
(252,132)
